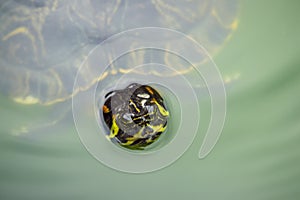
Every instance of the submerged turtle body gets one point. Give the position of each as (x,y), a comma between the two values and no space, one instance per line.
(43,43)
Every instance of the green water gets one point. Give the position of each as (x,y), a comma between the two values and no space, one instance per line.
(257,156)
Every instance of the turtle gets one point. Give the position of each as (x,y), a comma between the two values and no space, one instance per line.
(136,116)
(44,42)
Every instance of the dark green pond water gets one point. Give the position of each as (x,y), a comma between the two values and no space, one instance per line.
(257,156)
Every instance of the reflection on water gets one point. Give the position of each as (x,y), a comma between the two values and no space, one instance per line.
(256,158)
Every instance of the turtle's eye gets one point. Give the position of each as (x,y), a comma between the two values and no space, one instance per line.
(137,116)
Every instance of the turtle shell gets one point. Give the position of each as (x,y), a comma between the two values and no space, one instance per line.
(43,43)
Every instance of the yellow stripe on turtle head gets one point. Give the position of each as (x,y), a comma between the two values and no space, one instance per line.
(161,109)
(114,130)
(134,105)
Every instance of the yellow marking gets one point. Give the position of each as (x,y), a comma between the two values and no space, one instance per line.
(149,90)
(149,140)
(217,17)
(19,30)
(26,100)
(140,117)
(105,109)
(234,24)
(26,32)
(125,71)
(159,128)
(114,128)
(137,109)
(160,108)
(103,76)
(129,142)
(139,134)
(131,138)
(163,7)
(215,14)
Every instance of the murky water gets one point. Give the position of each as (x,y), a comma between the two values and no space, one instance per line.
(257,156)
